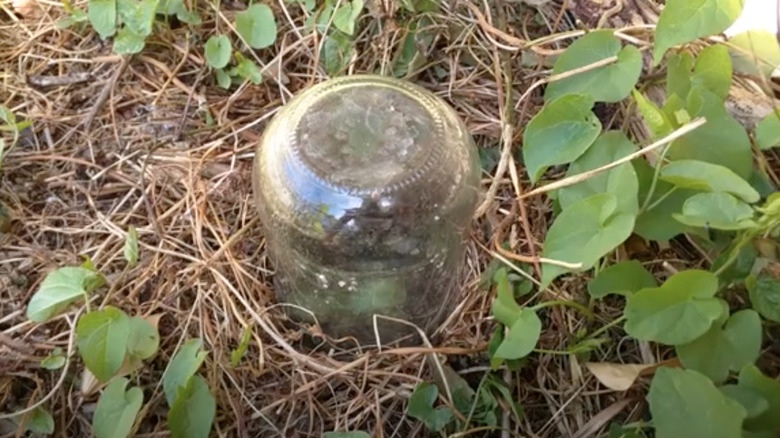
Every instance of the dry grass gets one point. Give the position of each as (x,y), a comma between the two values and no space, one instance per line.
(132,146)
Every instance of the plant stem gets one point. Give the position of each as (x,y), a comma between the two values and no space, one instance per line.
(607,327)
(661,199)
(584,310)
(656,173)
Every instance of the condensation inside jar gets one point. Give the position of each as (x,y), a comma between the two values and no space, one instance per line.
(366,186)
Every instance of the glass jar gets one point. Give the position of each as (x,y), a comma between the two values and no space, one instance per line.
(366,187)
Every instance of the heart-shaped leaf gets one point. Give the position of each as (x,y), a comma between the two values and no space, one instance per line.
(755,52)
(183,365)
(768,131)
(192,412)
(682,21)
(721,140)
(346,15)
(622,278)
(137,15)
(610,83)
(38,421)
(583,233)
(59,289)
(522,337)
(102,16)
(724,348)
(685,403)
(217,51)
(562,131)
(764,290)
(677,312)
(101,337)
(708,177)
(752,401)
(144,339)
(713,70)
(620,181)
(116,409)
(716,210)
(257,26)
(128,42)
(421,407)
(750,377)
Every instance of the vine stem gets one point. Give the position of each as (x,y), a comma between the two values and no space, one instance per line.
(60,381)
(606,327)
(654,182)
(584,310)
(574,179)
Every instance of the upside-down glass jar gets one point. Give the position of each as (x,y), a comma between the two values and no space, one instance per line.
(366,187)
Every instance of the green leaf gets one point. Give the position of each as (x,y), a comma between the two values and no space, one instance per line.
(247,70)
(102,16)
(59,289)
(583,233)
(764,293)
(131,246)
(238,353)
(750,377)
(522,336)
(421,407)
(77,16)
(217,51)
(505,308)
(183,365)
(410,54)
(678,75)
(102,337)
(757,52)
(753,403)
(713,70)
(257,26)
(708,177)
(223,79)
(137,15)
(192,412)
(345,16)
(722,140)
(721,211)
(38,421)
(656,120)
(677,312)
(726,348)
(768,131)
(657,223)
(143,340)
(356,434)
(128,43)
(684,403)
(683,21)
(620,181)
(336,52)
(116,409)
(610,83)
(54,361)
(562,131)
(622,278)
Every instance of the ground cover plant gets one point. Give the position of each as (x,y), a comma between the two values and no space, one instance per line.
(622,279)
